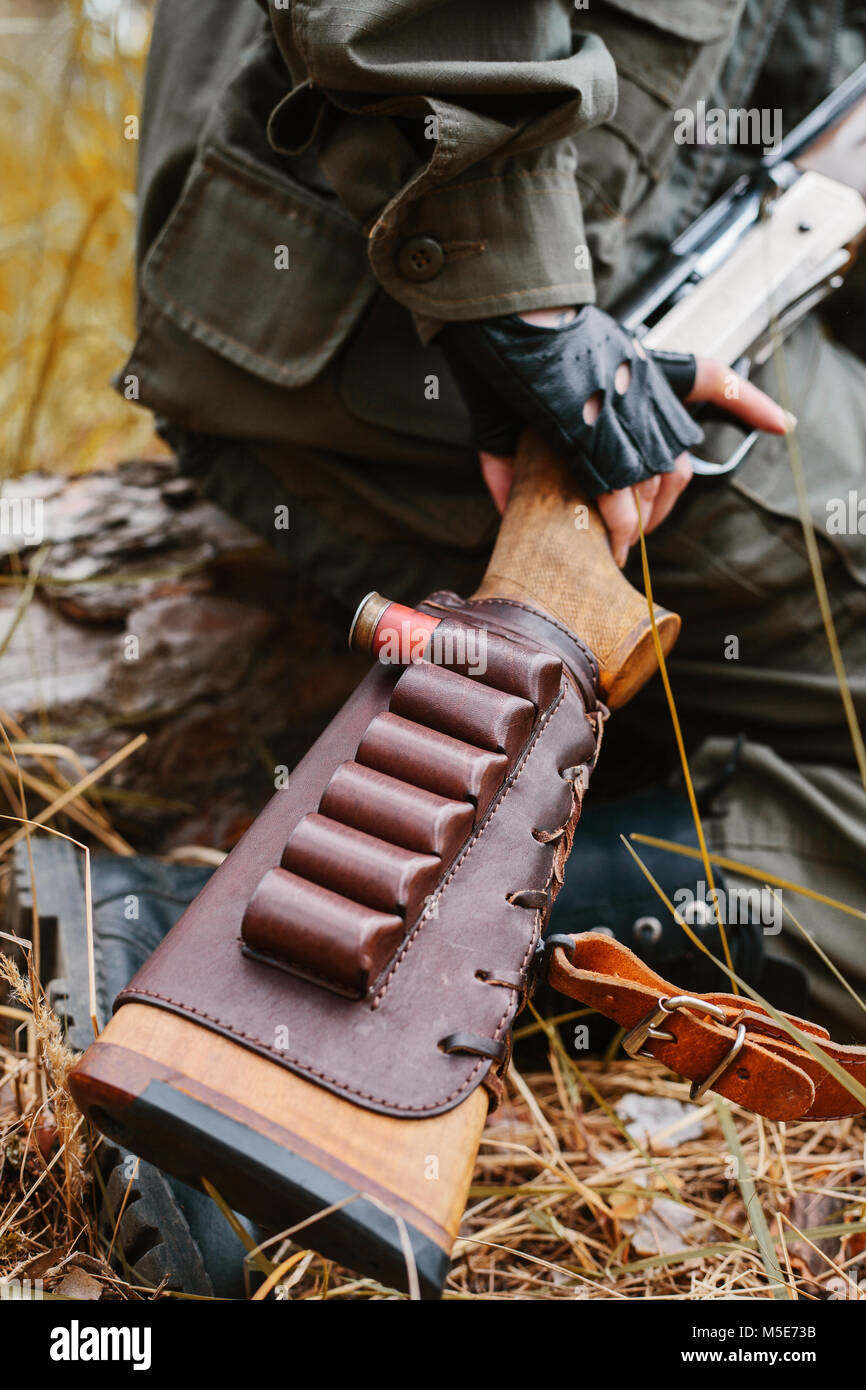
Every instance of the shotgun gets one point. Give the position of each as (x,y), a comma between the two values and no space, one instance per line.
(321,1034)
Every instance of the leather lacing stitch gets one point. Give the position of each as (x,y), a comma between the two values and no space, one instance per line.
(578,776)
(519,982)
(562,837)
(540,900)
(498,1050)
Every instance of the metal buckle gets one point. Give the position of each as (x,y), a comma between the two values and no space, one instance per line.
(699,1088)
(634,1040)
(636,1037)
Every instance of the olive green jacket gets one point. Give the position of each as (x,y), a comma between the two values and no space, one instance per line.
(465,159)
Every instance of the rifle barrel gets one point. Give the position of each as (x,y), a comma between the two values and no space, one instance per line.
(823,118)
(704,243)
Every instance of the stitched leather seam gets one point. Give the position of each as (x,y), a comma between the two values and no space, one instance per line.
(294,967)
(344,1087)
(488,819)
(282,1055)
(469,847)
(535,613)
(786,1047)
(619,987)
(554,622)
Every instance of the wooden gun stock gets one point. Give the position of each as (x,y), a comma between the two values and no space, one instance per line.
(552,551)
(283,1150)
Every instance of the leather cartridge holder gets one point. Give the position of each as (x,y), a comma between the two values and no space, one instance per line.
(374,930)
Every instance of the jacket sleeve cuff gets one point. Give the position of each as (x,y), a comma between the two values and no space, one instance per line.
(485,247)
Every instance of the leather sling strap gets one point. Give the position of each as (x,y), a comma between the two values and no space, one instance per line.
(722,1042)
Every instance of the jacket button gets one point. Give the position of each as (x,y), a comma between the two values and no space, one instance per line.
(420,258)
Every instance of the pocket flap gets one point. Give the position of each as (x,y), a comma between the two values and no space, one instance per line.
(700,20)
(262,271)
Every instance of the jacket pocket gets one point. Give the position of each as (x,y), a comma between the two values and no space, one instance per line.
(700,20)
(258,269)
(668,54)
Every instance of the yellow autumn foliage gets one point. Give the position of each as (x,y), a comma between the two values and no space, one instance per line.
(70,81)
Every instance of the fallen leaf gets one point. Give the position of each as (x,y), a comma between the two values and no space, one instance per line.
(78,1285)
(39,1265)
(648,1118)
(660,1230)
(626,1206)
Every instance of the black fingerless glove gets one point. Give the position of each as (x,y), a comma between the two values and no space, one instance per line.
(512,373)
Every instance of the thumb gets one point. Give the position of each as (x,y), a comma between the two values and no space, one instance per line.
(718,385)
(619,514)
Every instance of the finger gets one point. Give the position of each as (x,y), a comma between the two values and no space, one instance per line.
(498,473)
(723,387)
(648,492)
(671,487)
(619,514)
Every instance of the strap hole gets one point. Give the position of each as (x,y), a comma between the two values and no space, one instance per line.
(743,1073)
(482,975)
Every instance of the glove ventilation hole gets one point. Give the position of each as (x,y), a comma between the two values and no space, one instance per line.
(622,378)
(592,408)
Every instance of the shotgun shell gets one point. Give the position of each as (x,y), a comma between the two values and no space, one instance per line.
(390,631)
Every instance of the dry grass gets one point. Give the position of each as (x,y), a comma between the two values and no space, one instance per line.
(48,1197)
(68,81)
(48,1230)
(565,1204)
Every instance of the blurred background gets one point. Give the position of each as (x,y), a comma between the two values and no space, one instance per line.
(128,606)
(70,82)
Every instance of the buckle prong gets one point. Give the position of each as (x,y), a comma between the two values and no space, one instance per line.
(648,1027)
(634,1040)
(699,1088)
